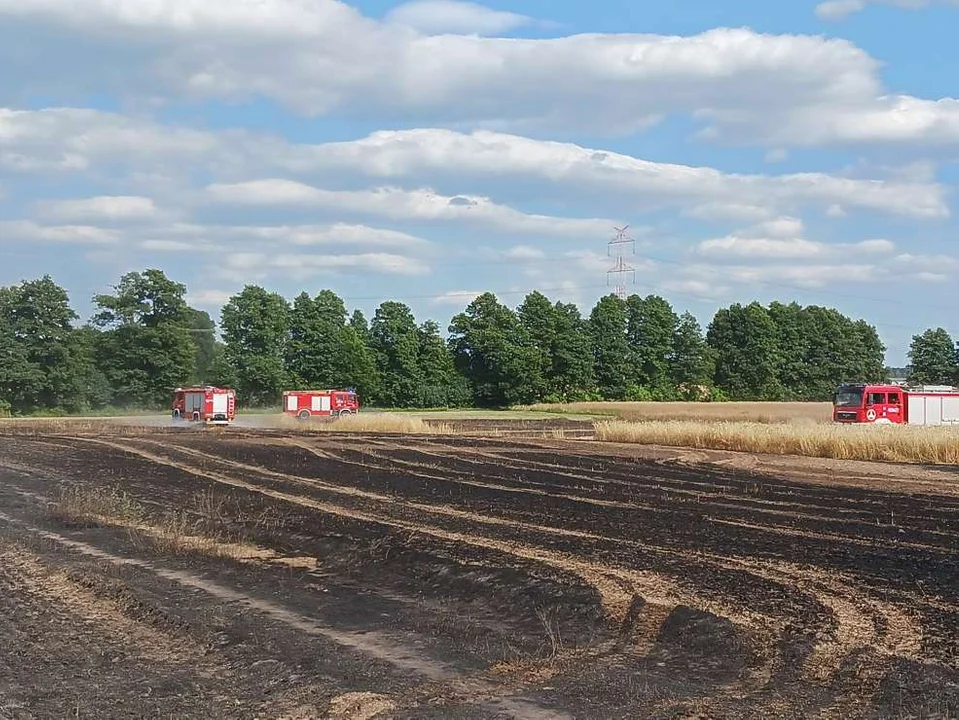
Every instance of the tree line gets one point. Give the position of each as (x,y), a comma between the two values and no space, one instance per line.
(144,340)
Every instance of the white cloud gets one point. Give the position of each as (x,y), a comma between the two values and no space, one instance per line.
(784,276)
(889,119)
(782,227)
(336,234)
(157,155)
(707,290)
(728,211)
(457,297)
(922,264)
(433,17)
(27,230)
(386,263)
(796,248)
(104,207)
(397,204)
(324,57)
(209,299)
(524,252)
(257,17)
(840,9)
(75,139)
(177,246)
(776,155)
(781,239)
(295,266)
(407,153)
(187,235)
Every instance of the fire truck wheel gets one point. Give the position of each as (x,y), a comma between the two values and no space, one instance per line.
(176,414)
(196,416)
(345,412)
(304,415)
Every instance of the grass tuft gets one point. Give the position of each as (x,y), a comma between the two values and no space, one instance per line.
(102,506)
(890,443)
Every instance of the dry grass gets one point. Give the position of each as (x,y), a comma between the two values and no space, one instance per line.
(912,444)
(369,423)
(119,427)
(181,532)
(759,412)
(96,505)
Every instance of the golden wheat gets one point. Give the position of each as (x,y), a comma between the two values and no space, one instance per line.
(937,445)
(762,412)
(370,423)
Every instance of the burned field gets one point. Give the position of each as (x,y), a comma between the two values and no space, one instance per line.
(289,575)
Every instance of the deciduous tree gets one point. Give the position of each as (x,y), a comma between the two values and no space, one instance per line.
(650,330)
(610,349)
(147,349)
(256,330)
(395,341)
(932,356)
(495,353)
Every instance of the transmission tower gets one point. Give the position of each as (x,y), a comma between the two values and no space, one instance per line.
(621,269)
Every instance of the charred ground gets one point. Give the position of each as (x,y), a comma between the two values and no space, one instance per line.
(270,574)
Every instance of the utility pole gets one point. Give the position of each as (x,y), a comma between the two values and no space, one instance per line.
(621,269)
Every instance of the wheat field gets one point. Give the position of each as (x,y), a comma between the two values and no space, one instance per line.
(759,412)
(368,423)
(891,443)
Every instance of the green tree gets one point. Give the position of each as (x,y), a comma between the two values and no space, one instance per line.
(202,329)
(18,376)
(932,358)
(796,334)
(256,328)
(607,328)
(46,366)
(441,385)
(97,390)
(745,343)
(395,343)
(495,353)
(650,329)
(360,325)
(690,361)
(326,352)
(571,370)
(561,340)
(147,349)
(870,359)
(537,317)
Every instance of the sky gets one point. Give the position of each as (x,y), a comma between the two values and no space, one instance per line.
(431,150)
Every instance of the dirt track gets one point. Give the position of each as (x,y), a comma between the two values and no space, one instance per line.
(287,575)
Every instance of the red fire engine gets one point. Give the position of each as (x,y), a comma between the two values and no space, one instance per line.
(210,405)
(862,403)
(305,404)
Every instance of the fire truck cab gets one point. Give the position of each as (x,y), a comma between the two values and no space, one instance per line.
(892,404)
(304,404)
(210,405)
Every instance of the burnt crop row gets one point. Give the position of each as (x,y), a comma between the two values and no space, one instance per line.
(763,588)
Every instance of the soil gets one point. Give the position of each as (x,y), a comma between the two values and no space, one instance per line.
(245,573)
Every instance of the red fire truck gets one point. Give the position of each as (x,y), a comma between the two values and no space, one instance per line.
(884,404)
(209,405)
(305,404)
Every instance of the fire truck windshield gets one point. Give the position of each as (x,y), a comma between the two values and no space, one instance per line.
(849,397)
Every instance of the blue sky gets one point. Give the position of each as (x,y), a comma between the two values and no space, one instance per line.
(430,150)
